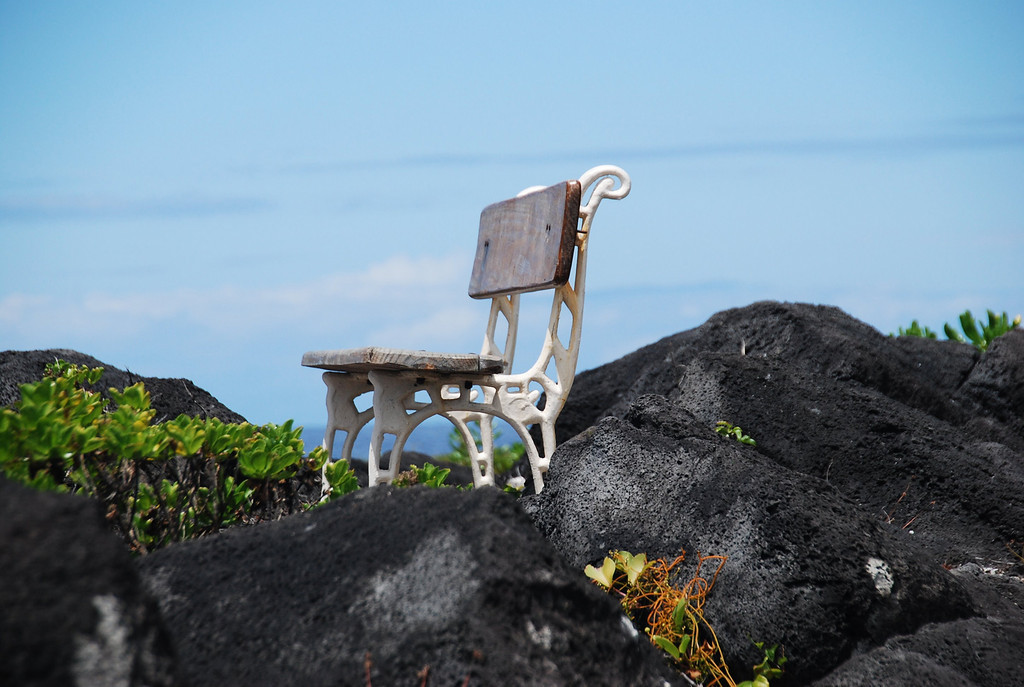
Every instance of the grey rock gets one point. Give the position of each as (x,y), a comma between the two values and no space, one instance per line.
(879,461)
(806,568)
(74,611)
(978,651)
(823,341)
(455,583)
(169,397)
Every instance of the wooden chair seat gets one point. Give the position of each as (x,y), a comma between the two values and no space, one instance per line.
(400,359)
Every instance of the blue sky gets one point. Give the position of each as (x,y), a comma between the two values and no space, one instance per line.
(207,190)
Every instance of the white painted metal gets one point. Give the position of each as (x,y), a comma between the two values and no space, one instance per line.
(468,398)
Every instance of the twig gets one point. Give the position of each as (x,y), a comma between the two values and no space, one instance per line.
(889,518)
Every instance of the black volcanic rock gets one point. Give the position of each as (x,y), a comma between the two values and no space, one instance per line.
(807,568)
(458,584)
(73,609)
(826,396)
(822,341)
(994,391)
(870,450)
(169,397)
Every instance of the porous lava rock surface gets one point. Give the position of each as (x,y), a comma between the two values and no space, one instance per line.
(169,397)
(72,607)
(394,587)
(866,530)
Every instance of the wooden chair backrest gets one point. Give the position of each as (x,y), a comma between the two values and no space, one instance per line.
(526,243)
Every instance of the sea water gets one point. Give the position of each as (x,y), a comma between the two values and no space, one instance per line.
(432,437)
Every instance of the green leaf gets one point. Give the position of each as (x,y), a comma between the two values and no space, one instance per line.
(317,458)
(633,565)
(680,615)
(188,434)
(603,575)
(253,464)
(431,475)
(727,429)
(134,396)
(915,329)
(967,323)
(341,478)
(770,666)
(237,497)
(145,499)
(266,458)
(997,326)
(667,646)
(169,491)
(504,457)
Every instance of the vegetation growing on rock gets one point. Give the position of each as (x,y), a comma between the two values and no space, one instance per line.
(160,483)
(978,333)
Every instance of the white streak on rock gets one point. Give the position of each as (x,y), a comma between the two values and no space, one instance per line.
(881,575)
(104,658)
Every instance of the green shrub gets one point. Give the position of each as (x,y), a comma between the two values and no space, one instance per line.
(159,483)
(997,326)
(429,475)
(341,478)
(977,332)
(915,330)
(504,456)
(728,429)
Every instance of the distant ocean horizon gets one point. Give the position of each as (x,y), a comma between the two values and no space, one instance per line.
(431,438)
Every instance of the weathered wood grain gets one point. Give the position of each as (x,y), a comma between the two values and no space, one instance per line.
(377,358)
(526,243)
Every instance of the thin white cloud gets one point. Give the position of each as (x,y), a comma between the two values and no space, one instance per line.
(91,206)
(981,135)
(448,328)
(396,296)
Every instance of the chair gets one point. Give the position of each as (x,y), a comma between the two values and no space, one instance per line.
(525,244)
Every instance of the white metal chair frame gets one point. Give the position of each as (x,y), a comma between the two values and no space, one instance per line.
(466,397)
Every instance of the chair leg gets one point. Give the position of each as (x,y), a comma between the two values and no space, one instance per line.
(547,433)
(481,459)
(342,415)
(536,462)
(485,457)
(376,475)
(395,412)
